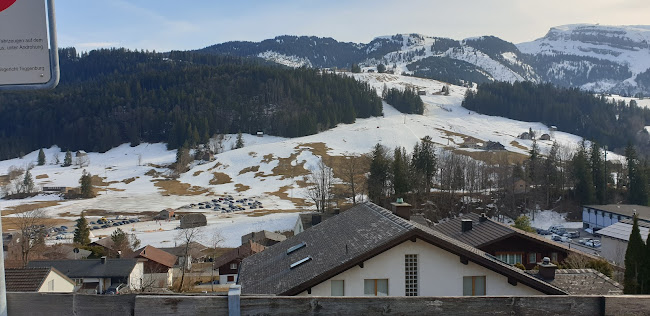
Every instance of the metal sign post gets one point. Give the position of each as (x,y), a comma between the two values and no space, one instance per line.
(29,57)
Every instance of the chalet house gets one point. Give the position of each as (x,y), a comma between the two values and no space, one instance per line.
(553,128)
(615,237)
(422,92)
(520,186)
(369,251)
(95,276)
(81,153)
(158,272)
(259,134)
(193,220)
(228,263)
(165,214)
(545,137)
(62,190)
(41,280)
(506,243)
(264,238)
(600,216)
(490,145)
(525,135)
(471,143)
(106,243)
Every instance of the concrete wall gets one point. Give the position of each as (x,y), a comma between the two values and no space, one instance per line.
(99,305)
(61,284)
(440,273)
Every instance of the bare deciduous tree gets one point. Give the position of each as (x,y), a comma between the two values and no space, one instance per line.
(321,178)
(32,231)
(186,236)
(353,171)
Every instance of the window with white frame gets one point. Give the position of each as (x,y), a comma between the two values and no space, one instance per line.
(411,275)
(233,266)
(554,257)
(532,257)
(337,287)
(375,287)
(50,286)
(510,257)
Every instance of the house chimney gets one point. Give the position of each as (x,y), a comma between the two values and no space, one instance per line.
(103,260)
(466,225)
(483,218)
(547,269)
(401,209)
(315,219)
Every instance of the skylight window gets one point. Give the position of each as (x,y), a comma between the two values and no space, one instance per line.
(296,247)
(299,262)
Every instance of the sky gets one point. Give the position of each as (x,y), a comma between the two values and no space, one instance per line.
(164,25)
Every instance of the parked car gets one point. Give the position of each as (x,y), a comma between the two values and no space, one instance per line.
(115,289)
(539,230)
(573,234)
(593,243)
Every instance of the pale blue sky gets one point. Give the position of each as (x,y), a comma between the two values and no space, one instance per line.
(165,24)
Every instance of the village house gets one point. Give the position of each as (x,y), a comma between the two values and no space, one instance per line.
(369,250)
(228,263)
(525,135)
(196,252)
(490,145)
(158,267)
(165,214)
(95,276)
(264,238)
(545,137)
(506,243)
(41,280)
(307,220)
(520,186)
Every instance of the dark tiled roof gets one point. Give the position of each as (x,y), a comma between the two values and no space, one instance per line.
(196,250)
(106,242)
(348,239)
(481,233)
(240,252)
(624,209)
(154,254)
(28,279)
(89,268)
(583,282)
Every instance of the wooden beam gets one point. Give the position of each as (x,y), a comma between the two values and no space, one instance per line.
(464,260)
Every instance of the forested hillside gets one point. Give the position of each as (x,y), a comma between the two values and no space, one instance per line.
(109,97)
(571,110)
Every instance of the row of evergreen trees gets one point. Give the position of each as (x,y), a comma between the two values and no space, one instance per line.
(399,173)
(636,279)
(571,110)
(407,101)
(109,97)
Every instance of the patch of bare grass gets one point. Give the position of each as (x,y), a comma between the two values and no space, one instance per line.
(175,187)
(129,180)
(42,176)
(241,187)
(28,207)
(282,194)
(249,169)
(220,178)
(196,173)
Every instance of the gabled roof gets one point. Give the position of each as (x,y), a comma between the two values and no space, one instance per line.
(29,279)
(156,255)
(306,218)
(260,236)
(106,242)
(347,240)
(583,282)
(239,253)
(89,268)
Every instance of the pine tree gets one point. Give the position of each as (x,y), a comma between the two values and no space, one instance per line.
(67,161)
(381,68)
(598,173)
(634,256)
(584,188)
(400,172)
(41,157)
(240,141)
(28,182)
(424,163)
(82,231)
(379,174)
(356,68)
(638,188)
(86,188)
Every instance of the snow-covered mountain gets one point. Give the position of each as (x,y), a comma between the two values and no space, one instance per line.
(594,57)
(472,60)
(614,59)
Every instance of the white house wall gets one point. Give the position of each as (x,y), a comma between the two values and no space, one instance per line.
(136,276)
(440,273)
(613,249)
(61,284)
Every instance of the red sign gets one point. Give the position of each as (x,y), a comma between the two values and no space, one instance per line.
(4,4)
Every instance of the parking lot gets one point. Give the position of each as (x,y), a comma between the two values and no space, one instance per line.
(585,241)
